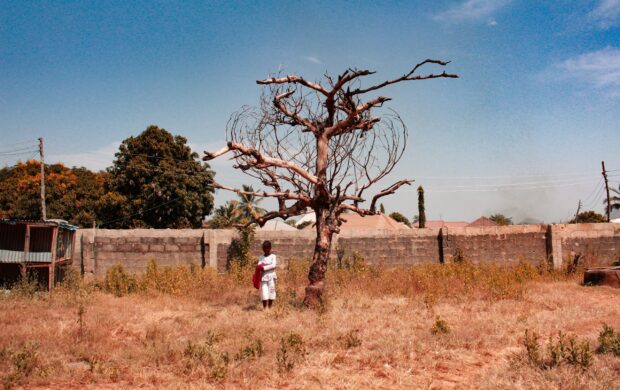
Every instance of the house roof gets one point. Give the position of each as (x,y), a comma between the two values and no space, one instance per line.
(309,217)
(276,225)
(482,221)
(370,222)
(439,224)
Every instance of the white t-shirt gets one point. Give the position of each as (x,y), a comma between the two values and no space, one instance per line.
(269,267)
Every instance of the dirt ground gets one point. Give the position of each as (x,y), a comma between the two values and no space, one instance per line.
(92,339)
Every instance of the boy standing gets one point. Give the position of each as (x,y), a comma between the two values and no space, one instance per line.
(268,278)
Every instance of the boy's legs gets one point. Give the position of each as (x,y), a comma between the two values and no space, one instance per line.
(264,293)
(272,292)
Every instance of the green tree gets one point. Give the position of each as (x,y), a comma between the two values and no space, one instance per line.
(421,210)
(160,181)
(227,216)
(303,224)
(501,219)
(398,217)
(615,199)
(589,217)
(248,203)
(70,193)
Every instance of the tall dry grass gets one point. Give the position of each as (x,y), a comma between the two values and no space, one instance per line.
(430,326)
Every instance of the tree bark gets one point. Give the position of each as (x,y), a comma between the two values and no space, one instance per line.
(322,247)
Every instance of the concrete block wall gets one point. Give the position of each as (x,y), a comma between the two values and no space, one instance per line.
(595,243)
(599,244)
(389,247)
(98,250)
(502,244)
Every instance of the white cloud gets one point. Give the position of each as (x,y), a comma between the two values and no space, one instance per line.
(492,22)
(600,69)
(314,60)
(606,14)
(95,160)
(472,10)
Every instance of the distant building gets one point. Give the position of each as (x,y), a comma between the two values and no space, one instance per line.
(437,224)
(276,225)
(440,224)
(356,222)
(482,221)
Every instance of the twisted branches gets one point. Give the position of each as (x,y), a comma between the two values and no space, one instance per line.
(320,146)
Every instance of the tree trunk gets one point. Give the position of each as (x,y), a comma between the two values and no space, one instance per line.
(322,247)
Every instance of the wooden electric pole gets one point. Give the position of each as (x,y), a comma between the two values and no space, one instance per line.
(607,190)
(43,210)
(578,209)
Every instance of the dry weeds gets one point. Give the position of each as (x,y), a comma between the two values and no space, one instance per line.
(191,328)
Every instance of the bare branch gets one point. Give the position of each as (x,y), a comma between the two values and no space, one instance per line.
(264,194)
(210,156)
(284,212)
(409,77)
(277,101)
(293,79)
(388,191)
(260,161)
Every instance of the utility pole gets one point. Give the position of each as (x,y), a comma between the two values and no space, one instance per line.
(578,209)
(607,190)
(43,210)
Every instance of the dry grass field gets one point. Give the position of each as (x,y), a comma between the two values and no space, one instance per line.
(430,327)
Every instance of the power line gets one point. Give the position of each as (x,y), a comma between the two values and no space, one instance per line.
(520,184)
(17,149)
(160,158)
(597,187)
(597,198)
(18,153)
(30,141)
(505,176)
(139,212)
(500,188)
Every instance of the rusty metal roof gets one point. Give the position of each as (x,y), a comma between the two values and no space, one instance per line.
(50,222)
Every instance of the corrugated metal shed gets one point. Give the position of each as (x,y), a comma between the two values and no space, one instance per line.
(36,244)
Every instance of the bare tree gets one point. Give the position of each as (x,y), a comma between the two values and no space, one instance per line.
(318,146)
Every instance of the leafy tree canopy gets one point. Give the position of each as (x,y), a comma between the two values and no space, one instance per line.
(156,182)
(227,216)
(614,199)
(589,217)
(398,217)
(501,219)
(70,193)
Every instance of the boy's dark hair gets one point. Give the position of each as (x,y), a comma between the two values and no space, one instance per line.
(267,242)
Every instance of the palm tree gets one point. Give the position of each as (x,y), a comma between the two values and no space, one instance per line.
(226,216)
(501,219)
(615,200)
(248,204)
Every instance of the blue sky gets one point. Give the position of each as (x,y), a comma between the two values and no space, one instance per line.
(522,131)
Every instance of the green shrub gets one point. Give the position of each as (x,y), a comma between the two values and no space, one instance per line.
(24,362)
(204,355)
(440,327)
(574,352)
(609,341)
(119,282)
(291,351)
(352,340)
(26,287)
(251,351)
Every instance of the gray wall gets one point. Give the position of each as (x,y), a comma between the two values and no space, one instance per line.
(97,250)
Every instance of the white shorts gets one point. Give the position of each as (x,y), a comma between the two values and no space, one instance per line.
(268,290)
